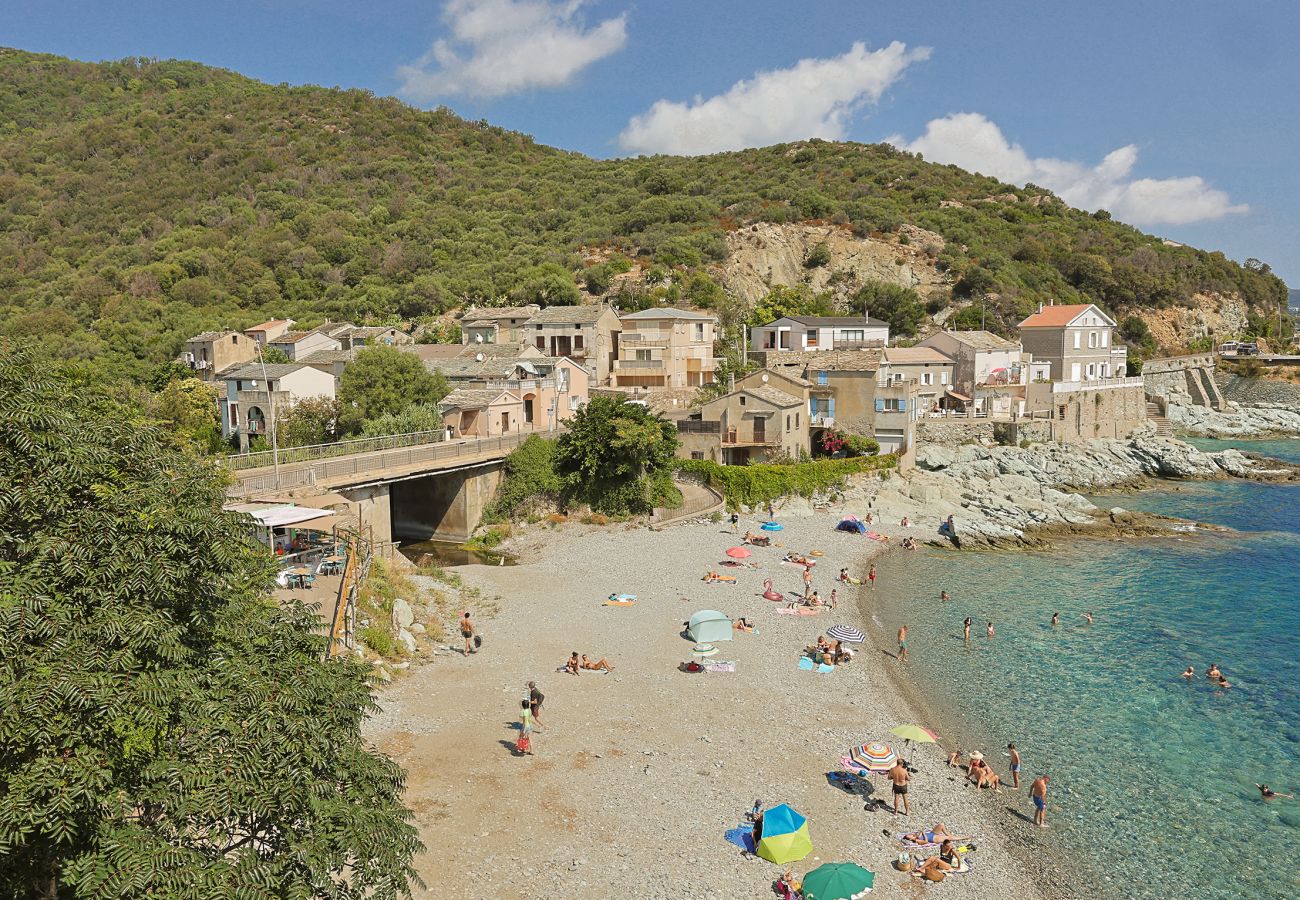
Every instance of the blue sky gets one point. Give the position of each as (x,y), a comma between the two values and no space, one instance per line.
(1180,116)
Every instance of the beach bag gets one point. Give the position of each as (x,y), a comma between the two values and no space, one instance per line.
(524,744)
(478,641)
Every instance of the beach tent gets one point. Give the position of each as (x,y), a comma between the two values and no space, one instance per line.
(853,525)
(708,626)
(785,836)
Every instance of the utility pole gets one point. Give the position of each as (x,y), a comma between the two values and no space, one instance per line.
(270,396)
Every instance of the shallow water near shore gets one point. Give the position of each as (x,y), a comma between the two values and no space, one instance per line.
(1152,776)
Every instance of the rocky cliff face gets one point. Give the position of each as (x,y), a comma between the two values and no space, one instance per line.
(765,254)
(1174,328)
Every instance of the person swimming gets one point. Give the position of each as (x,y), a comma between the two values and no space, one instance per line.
(1189,673)
(1267,793)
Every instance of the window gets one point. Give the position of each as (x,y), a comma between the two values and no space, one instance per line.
(1092,370)
(574,403)
(890,404)
(898,378)
(742,399)
(854,335)
(822,378)
(643,354)
(577,342)
(697,454)
(234,415)
(943,377)
(1060,413)
(562,379)
(811,337)
(1077,335)
(1092,340)
(927,378)
(787,421)
(796,420)
(699,331)
(1105,338)
(541,342)
(1105,370)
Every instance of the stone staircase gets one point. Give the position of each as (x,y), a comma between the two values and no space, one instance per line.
(1211,390)
(1163,428)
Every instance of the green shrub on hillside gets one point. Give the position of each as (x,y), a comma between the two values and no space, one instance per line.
(756,484)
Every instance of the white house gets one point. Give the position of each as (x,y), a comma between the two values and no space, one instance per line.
(819,333)
(297,345)
(257,396)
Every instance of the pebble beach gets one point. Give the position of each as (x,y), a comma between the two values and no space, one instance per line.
(638,775)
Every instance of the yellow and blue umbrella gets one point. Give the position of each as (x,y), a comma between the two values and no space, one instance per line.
(785,836)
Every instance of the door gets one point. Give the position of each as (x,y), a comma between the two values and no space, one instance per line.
(760,430)
(1076,372)
(505,422)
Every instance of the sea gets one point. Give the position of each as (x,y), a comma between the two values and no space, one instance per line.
(1153,776)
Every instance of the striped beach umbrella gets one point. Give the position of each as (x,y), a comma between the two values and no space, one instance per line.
(846,633)
(874,757)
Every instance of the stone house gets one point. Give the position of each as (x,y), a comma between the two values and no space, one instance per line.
(496,325)
(210,353)
(550,390)
(1078,340)
(932,371)
(588,334)
(1083,410)
(665,348)
(748,425)
(268,331)
(300,344)
(481,412)
(257,396)
(822,333)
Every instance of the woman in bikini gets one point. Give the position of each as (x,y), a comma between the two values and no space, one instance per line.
(602,666)
(937,867)
(572,665)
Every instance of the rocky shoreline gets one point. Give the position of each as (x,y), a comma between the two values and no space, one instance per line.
(1260,420)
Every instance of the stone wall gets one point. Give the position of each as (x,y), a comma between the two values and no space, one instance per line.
(1258,390)
(1099,413)
(1168,376)
(954,431)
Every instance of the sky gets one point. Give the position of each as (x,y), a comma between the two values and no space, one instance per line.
(1179,116)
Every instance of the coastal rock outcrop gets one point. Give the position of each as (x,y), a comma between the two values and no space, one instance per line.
(1260,420)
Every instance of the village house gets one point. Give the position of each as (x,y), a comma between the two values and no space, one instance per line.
(1078,340)
(821,333)
(481,412)
(931,370)
(549,390)
(496,325)
(665,348)
(299,344)
(588,334)
(210,353)
(991,372)
(257,396)
(748,425)
(268,331)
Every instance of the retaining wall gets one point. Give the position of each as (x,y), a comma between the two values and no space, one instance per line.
(1258,390)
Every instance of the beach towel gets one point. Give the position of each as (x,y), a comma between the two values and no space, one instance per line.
(742,836)
(877,536)
(801,611)
(806,664)
(824,669)
(962,870)
(619,603)
(723,666)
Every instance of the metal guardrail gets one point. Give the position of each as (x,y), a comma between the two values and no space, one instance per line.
(265,458)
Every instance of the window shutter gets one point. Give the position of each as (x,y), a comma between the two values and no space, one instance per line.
(902,406)
(830,408)
(880,405)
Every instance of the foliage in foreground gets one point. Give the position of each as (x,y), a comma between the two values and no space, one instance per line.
(756,484)
(617,457)
(165,730)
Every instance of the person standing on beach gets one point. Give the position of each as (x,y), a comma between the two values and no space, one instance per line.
(1015,766)
(1038,791)
(807,581)
(871,576)
(834,597)
(467,632)
(735,523)
(535,700)
(966,631)
(525,742)
(898,775)
(902,644)
(990,631)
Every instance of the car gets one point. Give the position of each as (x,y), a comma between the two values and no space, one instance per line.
(1248,349)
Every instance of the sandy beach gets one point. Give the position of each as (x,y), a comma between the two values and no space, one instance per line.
(638,774)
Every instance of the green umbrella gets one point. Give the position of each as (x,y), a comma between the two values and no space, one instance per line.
(837,881)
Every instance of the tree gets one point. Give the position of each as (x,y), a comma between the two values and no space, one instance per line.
(189,407)
(274,356)
(165,730)
(315,420)
(901,307)
(164,373)
(817,257)
(790,301)
(416,417)
(384,381)
(617,456)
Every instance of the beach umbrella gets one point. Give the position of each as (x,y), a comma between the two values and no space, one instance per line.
(914,733)
(874,757)
(838,881)
(785,836)
(704,649)
(738,553)
(845,633)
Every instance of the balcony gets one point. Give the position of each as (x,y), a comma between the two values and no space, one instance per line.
(838,344)
(639,339)
(639,366)
(734,437)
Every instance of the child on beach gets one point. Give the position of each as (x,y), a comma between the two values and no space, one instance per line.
(524,744)
(871,576)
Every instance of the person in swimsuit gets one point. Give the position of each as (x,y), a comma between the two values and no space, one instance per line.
(1213,671)
(1088,617)
(944,596)
(902,644)
(1189,673)
(834,595)
(572,666)
(1015,766)
(1056,619)
(936,867)
(934,835)
(535,700)
(966,630)
(1268,793)
(898,775)
(1222,683)
(1038,791)
(602,666)
(467,632)
(990,630)
(871,576)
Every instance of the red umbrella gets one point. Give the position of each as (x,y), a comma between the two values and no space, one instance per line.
(738,553)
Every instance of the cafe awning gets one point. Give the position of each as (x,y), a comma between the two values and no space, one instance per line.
(280,516)
(956,396)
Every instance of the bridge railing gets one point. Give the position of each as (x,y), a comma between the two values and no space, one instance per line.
(265,458)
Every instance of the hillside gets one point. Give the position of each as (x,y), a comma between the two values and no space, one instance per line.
(143,201)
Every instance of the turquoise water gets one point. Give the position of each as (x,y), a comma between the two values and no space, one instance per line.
(1152,777)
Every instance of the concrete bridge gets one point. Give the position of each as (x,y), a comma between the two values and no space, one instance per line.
(430,489)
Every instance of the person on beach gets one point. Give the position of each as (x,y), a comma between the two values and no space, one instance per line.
(524,743)
(834,595)
(1056,619)
(909,544)
(954,759)
(871,576)
(602,666)
(965,629)
(1189,673)
(467,632)
(937,867)
(572,665)
(535,700)
(902,644)
(1267,793)
(843,576)
(735,523)
(938,833)
(771,510)
(990,630)
(1015,766)
(1038,791)
(899,775)
(807,581)
(815,599)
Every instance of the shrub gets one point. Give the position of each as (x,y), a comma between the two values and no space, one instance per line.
(818,256)
(379,640)
(595,519)
(755,484)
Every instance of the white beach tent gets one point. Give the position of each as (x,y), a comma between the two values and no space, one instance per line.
(709,626)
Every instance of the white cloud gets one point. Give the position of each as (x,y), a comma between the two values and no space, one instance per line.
(813,98)
(973,142)
(500,47)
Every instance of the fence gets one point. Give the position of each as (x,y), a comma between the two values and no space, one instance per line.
(264,459)
(704,501)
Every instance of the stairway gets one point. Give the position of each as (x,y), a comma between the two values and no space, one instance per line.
(1163,428)
(1212,392)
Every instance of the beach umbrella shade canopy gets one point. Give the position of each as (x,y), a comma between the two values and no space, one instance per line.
(785,836)
(874,757)
(846,633)
(738,553)
(915,733)
(838,881)
(704,649)
(709,625)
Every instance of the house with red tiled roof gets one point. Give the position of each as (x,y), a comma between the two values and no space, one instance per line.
(1079,340)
